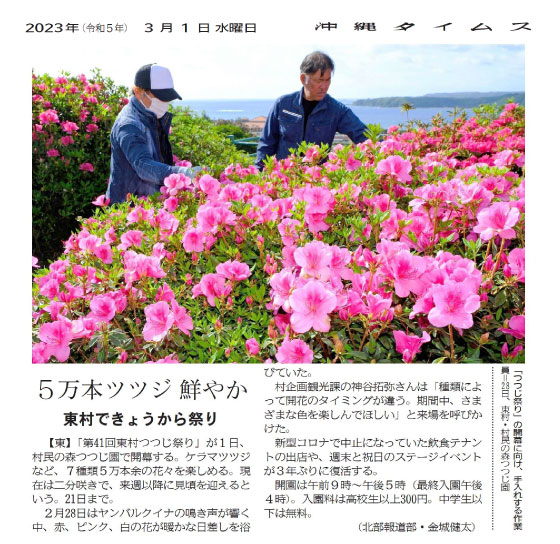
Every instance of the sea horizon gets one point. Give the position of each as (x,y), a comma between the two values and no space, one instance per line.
(248,108)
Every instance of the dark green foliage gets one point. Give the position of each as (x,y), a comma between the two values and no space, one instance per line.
(61,191)
(199,141)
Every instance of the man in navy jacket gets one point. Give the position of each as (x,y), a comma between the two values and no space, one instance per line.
(309,115)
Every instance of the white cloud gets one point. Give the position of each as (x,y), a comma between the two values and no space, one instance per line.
(267,71)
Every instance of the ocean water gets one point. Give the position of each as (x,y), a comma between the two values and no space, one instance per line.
(235,109)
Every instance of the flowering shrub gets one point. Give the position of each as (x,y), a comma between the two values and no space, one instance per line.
(198,140)
(72,120)
(72,117)
(406,250)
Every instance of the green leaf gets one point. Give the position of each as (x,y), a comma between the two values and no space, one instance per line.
(119,339)
(500,298)
(358,355)
(385,342)
(439,360)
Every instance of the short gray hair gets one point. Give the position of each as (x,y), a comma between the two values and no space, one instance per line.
(316,61)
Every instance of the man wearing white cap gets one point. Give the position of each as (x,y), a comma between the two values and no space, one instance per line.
(141,155)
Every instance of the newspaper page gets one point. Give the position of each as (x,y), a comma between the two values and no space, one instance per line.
(335,246)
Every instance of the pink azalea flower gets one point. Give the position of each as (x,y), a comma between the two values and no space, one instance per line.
(319,200)
(504,158)
(294,352)
(139,266)
(282,284)
(497,219)
(315,222)
(92,127)
(288,231)
(159,319)
(69,127)
(212,286)
(56,308)
(104,252)
(341,257)
(406,270)
(53,152)
(395,166)
(516,259)
(234,270)
(110,234)
(84,327)
(209,217)
(102,201)
(34,262)
(352,163)
(87,241)
(103,308)
(252,346)
(311,154)
(175,182)
(391,146)
(57,336)
(72,292)
(39,353)
(517,326)
(311,305)
(514,351)
(169,359)
(165,293)
(86,166)
(193,240)
(131,238)
(314,172)
(121,359)
(120,299)
(171,203)
(48,116)
(315,260)
(66,140)
(454,304)
(355,305)
(209,185)
(182,319)
(378,308)
(140,214)
(49,288)
(409,345)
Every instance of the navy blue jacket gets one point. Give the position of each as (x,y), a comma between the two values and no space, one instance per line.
(137,165)
(284,127)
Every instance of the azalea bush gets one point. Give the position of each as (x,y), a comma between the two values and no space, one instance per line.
(72,120)
(406,250)
(72,117)
(196,139)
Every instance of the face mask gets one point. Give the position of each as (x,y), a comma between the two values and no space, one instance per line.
(157,106)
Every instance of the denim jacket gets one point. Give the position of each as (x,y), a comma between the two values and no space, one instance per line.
(136,162)
(284,127)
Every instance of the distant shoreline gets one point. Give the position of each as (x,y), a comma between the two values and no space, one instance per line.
(443,100)
(432,100)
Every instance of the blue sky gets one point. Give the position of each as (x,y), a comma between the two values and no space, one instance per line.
(419,69)
(267,71)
